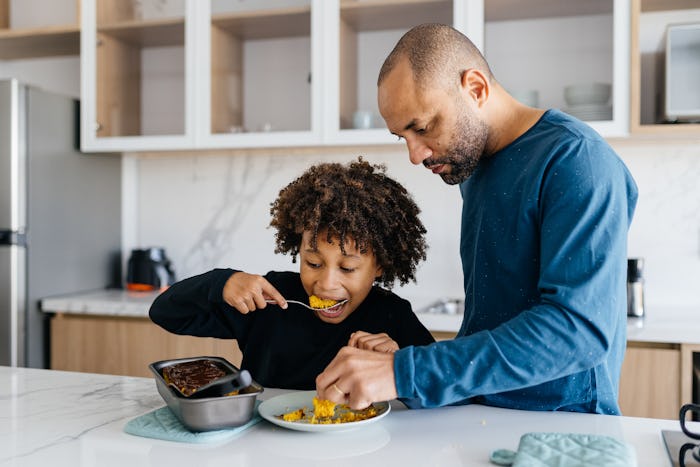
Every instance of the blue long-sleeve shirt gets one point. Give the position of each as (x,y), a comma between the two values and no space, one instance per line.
(544,248)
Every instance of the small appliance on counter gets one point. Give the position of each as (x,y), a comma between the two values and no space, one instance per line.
(635,287)
(149,269)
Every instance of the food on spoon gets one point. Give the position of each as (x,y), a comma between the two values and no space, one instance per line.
(316,302)
(187,377)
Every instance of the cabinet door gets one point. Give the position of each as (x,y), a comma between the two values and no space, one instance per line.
(137,67)
(259,76)
(539,48)
(125,346)
(650,21)
(361,36)
(650,382)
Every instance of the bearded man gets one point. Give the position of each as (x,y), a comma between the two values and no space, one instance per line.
(547,205)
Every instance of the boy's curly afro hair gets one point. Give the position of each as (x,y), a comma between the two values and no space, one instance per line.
(354,202)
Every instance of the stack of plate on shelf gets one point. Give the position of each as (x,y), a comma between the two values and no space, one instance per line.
(589,101)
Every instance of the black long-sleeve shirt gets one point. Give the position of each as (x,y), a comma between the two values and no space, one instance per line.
(281,348)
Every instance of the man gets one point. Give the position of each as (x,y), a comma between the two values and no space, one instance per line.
(546,209)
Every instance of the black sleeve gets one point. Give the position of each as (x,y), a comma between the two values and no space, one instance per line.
(195,306)
(394,315)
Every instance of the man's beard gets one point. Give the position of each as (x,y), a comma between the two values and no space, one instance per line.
(466,149)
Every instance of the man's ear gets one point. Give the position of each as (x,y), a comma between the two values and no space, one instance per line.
(475,85)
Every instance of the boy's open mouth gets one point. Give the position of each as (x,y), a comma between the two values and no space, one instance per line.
(333,311)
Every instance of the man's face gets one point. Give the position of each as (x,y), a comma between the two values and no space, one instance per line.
(442,129)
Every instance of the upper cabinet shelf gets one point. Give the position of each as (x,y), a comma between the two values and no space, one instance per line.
(539,48)
(152,33)
(649,22)
(513,10)
(265,24)
(30,32)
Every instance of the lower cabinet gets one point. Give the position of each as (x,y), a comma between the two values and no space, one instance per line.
(650,384)
(657,378)
(124,345)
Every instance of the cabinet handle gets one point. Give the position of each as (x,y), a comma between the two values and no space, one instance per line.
(98,127)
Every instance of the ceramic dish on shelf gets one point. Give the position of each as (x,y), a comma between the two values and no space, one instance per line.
(272,409)
(587,93)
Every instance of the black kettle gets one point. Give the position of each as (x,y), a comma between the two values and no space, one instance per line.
(149,269)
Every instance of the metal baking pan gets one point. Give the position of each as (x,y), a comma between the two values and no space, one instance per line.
(210,413)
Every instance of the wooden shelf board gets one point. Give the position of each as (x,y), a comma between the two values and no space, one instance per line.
(158,33)
(266,24)
(509,10)
(375,15)
(39,42)
(676,129)
(666,5)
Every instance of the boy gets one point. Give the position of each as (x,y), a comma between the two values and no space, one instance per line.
(351,226)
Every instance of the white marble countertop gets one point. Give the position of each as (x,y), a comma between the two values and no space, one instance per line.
(662,324)
(53,418)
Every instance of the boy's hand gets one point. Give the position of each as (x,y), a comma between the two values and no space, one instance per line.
(248,292)
(377,342)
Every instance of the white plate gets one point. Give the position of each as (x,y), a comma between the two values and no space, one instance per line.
(270,408)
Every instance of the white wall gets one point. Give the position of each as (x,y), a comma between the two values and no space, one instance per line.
(212,210)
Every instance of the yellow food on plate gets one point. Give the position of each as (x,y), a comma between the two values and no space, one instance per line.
(316,302)
(294,415)
(323,408)
(326,412)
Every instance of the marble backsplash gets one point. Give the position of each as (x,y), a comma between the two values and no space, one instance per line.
(212,210)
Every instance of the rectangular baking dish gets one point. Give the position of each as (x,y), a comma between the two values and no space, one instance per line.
(211,413)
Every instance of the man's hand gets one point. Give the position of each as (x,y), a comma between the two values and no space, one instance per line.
(248,292)
(358,377)
(377,342)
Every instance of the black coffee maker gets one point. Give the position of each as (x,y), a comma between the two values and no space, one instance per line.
(149,269)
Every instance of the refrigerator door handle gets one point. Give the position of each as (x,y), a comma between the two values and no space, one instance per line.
(12,237)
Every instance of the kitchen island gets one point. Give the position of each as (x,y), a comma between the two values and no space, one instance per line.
(56,418)
(108,331)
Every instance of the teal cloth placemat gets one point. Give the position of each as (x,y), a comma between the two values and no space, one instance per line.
(163,424)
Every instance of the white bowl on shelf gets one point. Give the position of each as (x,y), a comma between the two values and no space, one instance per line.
(587,93)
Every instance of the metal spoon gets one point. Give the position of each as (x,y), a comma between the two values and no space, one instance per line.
(220,386)
(296,302)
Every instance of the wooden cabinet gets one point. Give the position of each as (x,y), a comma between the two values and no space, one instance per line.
(28,31)
(649,19)
(657,379)
(539,47)
(650,382)
(124,346)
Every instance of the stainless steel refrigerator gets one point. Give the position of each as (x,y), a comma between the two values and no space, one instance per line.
(60,216)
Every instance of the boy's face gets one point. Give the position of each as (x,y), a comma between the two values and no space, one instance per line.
(331,275)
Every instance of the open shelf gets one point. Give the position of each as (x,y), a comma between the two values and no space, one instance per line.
(265,24)
(369,29)
(38,37)
(43,42)
(510,10)
(374,15)
(259,58)
(151,33)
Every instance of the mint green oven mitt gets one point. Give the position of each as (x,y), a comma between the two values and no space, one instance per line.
(566,450)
